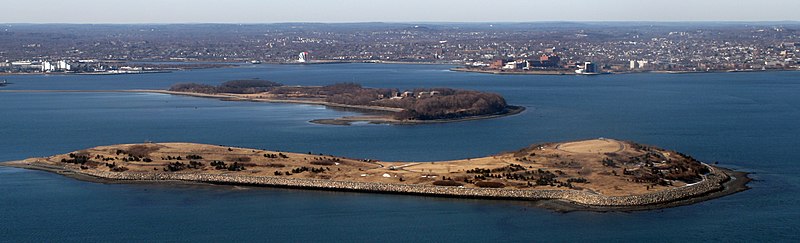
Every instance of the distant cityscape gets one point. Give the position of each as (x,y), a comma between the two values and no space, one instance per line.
(581,48)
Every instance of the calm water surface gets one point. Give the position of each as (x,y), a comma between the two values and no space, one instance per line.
(746,121)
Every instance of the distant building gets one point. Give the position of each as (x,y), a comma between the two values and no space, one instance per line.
(479,64)
(510,65)
(48,67)
(588,68)
(643,64)
(497,64)
(303,57)
(424,93)
(63,65)
(545,61)
(21,63)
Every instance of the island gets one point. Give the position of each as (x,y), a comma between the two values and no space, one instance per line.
(598,174)
(382,105)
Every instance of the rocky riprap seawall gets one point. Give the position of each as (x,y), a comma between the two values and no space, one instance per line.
(712,182)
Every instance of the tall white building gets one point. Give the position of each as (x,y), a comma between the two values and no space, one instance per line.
(63,65)
(48,67)
(303,57)
(642,64)
(638,64)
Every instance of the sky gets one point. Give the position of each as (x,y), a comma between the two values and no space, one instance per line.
(272,11)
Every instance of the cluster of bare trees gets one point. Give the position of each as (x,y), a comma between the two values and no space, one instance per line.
(461,103)
(194,88)
(233,87)
(421,104)
(247,86)
(354,94)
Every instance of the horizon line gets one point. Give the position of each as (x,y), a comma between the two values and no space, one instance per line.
(410,22)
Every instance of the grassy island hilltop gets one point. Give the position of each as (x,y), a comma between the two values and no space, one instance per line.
(601,173)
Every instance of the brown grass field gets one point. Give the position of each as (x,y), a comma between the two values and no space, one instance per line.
(604,166)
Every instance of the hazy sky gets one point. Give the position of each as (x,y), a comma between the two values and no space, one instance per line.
(269,11)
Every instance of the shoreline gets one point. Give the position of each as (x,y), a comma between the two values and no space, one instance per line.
(502,72)
(227,65)
(318,62)
(737,183)
(718,183)
(349,120)
(565,73)
(455,69)
(382,119)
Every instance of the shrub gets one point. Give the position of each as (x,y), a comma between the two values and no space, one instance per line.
(177,166)
(447,183)
(489,184)
(81,157)
(577,180)
(219,165)
(195,165)
(236,167)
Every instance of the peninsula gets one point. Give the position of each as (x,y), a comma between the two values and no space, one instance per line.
(599,174)
(392,106)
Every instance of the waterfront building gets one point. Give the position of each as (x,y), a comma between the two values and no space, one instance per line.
(497,64)
(48,67)
(545,61)
(590,67)
(63,65)
(21,63)
(303,57)
(642,64)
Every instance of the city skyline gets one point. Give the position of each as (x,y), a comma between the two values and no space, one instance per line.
(251,11)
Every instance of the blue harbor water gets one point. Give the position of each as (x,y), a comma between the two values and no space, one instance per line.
(744,121)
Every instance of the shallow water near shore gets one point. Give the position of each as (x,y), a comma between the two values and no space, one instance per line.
(746,121)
